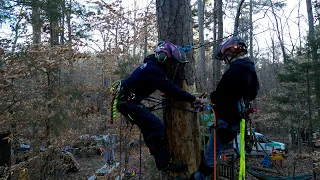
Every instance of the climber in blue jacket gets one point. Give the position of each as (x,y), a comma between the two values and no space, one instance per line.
(144,80)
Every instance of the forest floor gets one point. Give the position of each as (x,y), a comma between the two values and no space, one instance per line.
(302,164)
(297,164)
(293,163)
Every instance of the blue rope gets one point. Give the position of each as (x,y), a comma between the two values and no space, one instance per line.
(188,48)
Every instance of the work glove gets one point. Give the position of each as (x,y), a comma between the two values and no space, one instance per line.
(202,100)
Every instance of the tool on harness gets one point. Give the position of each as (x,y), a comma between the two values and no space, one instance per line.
(119,97)
(207,118)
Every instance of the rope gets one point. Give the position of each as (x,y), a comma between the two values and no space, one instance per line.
(215,145)
(188,48)
(114,89)
(164,104)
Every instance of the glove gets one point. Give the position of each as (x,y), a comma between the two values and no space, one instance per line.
(202,100)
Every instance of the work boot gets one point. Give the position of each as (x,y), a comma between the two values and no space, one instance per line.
(175,167)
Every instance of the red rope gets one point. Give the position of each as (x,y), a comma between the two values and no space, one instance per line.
(214,146)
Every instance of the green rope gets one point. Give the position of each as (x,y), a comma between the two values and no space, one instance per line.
(115,90)
(114,109)
(242,172)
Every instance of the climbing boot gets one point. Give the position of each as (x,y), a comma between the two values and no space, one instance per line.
(179,166)
(182,178)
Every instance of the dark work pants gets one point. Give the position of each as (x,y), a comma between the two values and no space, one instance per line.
(152,129)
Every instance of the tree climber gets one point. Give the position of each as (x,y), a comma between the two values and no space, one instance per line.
(144,80)
(238,84)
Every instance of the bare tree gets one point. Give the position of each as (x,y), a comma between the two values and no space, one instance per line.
(202,58)
(279,33)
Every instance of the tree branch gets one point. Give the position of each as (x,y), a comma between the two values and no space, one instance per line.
(236,23)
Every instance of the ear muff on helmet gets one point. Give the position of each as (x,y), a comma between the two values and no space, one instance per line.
(236,48)
(161,56)
(231,46)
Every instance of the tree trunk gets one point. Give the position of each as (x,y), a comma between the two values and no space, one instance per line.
(236,22)
(52,73)
(311,38)
(251,32)
(135,31)
(280,38)
(145,51)
(174,23)
(220,36)
(61,29)
(215,11)
(36,22)
(69,22)
(16,32)
(202,58)
(53,14)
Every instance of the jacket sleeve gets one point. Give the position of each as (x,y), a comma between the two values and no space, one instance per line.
(166,86)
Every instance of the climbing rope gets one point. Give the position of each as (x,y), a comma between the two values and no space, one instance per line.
(115,90)
(242,172)
(215,146)
(188,48)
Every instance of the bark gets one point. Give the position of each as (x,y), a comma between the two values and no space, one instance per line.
(175,25)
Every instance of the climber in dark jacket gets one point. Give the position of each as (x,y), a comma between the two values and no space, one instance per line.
(238,85)
(144,80)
